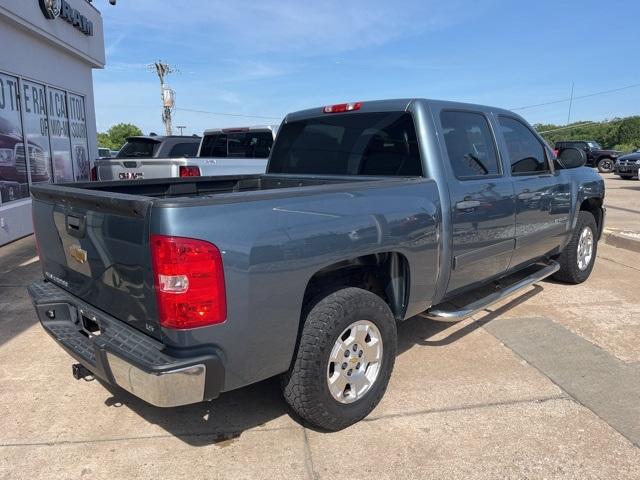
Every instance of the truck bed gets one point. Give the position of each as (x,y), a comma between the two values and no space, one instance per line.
(135,197)
(94,236)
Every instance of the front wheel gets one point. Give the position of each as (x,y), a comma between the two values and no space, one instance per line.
(605,165)
(344,360)
(578,257)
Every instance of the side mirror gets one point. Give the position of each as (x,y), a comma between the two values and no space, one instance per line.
(572,158)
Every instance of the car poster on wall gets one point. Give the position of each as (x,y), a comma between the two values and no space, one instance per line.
(36,130)
(59,135)
(13,166)
(78,130)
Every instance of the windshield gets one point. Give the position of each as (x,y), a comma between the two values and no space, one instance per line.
(594,145)
(138,148)
(348,144)
(237,145)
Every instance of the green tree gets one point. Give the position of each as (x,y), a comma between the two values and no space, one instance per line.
(116,136)
(618,133)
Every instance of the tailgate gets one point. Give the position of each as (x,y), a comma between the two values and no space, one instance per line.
(138,169)
(95,245)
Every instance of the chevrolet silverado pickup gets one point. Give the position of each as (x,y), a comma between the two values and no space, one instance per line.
(369,213)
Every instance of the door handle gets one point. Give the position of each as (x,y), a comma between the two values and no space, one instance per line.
(467,204)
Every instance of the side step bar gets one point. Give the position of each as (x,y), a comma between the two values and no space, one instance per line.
(442,314)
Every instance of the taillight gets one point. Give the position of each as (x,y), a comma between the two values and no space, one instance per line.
(189,171)
(342,107)
(189,282)
(94,174)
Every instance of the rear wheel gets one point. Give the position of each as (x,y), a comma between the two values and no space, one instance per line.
(344,359)
(578,257)
(605,165)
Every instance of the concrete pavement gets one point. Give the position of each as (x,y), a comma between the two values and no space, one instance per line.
(465,401)
(622,199)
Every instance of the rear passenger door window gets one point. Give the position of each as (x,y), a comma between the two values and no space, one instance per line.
(470,144)
(184,150)
(526,152)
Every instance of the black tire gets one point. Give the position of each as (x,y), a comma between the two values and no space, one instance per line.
(606,165)
(305,386)
(569,271)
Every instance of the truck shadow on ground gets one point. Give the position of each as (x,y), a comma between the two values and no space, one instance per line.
(223,420)
(19,267)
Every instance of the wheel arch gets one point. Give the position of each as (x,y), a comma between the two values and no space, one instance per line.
(386,274)
(594,205)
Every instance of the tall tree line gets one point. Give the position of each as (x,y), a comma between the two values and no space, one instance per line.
(620,133)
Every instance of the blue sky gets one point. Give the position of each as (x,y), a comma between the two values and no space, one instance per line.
(271,57)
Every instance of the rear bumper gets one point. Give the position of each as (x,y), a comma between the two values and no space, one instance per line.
(123,356)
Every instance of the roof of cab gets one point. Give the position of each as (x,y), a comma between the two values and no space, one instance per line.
(395,105)
(160,138)
(254,128)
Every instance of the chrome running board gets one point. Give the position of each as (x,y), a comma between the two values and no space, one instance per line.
(444,314)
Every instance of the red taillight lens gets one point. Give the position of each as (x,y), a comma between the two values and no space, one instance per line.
(94,174)
(188,171)
(189,282)
(342,107)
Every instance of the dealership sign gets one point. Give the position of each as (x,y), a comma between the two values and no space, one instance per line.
(60,8)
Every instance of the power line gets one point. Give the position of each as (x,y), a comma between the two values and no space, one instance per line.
(602,92)
(578,125)
(569,127)
(228,114)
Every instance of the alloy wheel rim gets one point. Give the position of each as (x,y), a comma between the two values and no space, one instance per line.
(585,248)
(355,361)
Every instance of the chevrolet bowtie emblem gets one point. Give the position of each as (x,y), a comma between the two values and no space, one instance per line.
(78,253)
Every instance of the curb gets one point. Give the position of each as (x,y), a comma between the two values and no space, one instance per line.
(620,240)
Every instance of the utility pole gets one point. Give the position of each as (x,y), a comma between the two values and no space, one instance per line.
(167,95)
(181,127)
(570,104)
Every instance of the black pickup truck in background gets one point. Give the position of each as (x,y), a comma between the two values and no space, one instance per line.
(597,157)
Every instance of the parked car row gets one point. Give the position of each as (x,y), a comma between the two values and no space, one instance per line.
(219,152)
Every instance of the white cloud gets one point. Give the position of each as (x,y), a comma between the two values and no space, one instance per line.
(318,27)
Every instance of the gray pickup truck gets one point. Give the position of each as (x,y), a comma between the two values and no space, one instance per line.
(369,213)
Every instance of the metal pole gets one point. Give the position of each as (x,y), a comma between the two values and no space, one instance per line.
(570,104)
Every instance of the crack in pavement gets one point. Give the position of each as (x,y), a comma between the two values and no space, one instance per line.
(216,436)
(223,435)
(618,263)
(471,406)
(308,457)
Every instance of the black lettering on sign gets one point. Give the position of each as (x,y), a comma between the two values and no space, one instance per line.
(13,90)
(27,98)
(66,12)
(75,18)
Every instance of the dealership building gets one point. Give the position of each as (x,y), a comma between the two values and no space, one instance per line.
(47,115)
